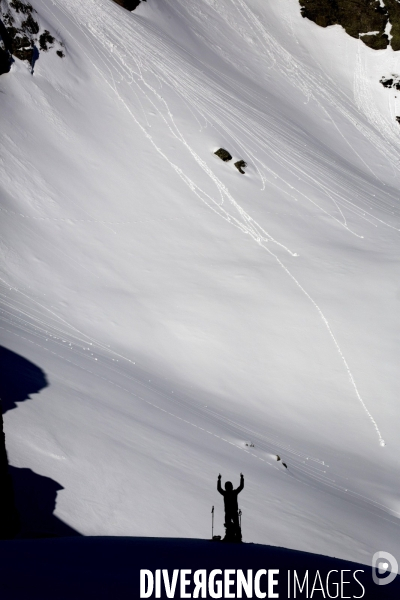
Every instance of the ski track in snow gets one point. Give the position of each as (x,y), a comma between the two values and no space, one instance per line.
(321,90)
(312,87)
(127,67)
(388,130)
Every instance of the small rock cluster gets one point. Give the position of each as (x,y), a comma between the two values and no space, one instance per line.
(391,82)
(278,458)
(20,34)
(226,156)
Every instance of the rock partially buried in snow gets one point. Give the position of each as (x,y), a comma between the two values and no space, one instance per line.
(391,82)
(240,165)
(278,458)
(223,154)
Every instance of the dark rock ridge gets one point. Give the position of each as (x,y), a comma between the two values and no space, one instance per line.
(20,34)
(128,4)
(364,19)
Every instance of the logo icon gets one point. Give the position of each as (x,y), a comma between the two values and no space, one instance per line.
(384,568)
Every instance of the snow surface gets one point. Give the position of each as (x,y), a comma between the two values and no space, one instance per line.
(181,310)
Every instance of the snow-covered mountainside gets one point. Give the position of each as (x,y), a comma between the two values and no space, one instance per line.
(189,319)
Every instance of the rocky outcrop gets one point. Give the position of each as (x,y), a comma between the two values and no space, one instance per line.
(223,154)
(129,4)
(391,82)
(363,19)
(20,34)
(393,8)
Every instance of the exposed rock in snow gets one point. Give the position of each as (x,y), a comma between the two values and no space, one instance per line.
(240,165)
(223,154)
(19,33)
(129,4)
(364,19)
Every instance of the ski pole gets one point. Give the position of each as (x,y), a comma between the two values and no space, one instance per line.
(212,521)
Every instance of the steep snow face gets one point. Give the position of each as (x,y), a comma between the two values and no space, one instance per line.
(183,312)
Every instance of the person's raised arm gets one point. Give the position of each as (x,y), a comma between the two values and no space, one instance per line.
(241,486)
(219,487)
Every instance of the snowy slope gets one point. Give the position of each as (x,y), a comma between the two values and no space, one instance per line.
(179,309)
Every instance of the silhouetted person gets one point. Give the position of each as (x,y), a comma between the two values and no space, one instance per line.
(233,531)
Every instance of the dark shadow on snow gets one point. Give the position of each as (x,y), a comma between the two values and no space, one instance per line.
(35,500)
(28,500)
(19,378)
(35,57)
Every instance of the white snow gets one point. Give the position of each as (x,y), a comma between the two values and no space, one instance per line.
(180,309)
